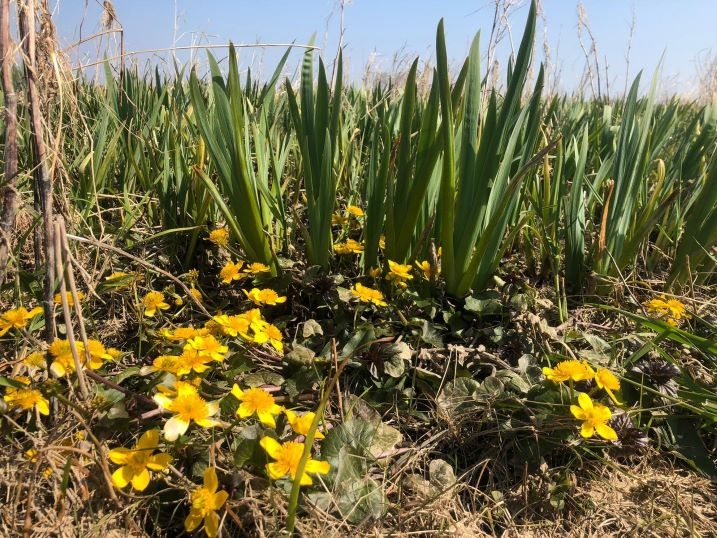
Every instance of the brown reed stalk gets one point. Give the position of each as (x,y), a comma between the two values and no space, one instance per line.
(8,190)
(43,181)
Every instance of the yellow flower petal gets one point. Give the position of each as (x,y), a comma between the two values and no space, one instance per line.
(606,432)
(193,520)
(211,524)
(121,477)
(210,479)
(119,455)
(271,446)
(175,427)
(140,481)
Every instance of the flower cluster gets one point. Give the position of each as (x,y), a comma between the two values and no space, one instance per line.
(64,363)
(670,310)
(594,415)
(236,271)
(251,327)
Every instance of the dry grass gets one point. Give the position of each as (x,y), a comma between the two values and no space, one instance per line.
(644,497)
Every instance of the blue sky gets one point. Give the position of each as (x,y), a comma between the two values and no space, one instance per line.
(377,31)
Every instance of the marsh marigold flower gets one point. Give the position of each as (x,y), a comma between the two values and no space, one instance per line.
(138,461)
(569,370)
(152,302)
(351,246)
(259,401)
(70,300)
(301,424)
(595,417)
(355,211)
(231,271)
(287,458)
(256,268)
(183,333)
(264,297)
(220,237)
(269,334)
(607,381)
(233,325)
(426,269)
(398,273)
(17,318)
(187,406)
(368,295)
(206,500)
(26,398)
(671,310)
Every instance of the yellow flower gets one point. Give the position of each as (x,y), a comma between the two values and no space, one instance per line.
(355,211)
(676,309)
(301,424)
(17,318)
(117,275)
(264,297)
(375,272)
(398,273)
(271,334)
(606,380)
(26,398)
(187,406)
(98,353)
(571,369)
(257,401)
(233,325)
(287,458)
(231,271)
(671,310)
(152,302)
(138,461)
(594,416)
(35,361)
(209,346)
(182,333)
(206,500)
(70,301)
(120,280)
(164,363)
(220,237)
(192,360)
(425,267)
(256,268)
(368,295)
(382,242)
(349,247)
(339,220)
(64,362)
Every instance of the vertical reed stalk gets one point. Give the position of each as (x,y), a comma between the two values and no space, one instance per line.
(8,192)
(43,181)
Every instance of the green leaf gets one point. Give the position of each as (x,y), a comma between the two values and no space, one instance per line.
(690,446)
